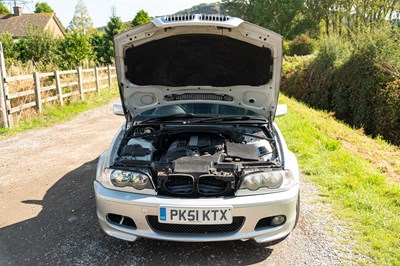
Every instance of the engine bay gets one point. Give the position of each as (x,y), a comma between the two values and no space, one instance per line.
(197,160)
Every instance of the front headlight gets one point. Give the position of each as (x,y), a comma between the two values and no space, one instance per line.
(129,181)
(266,182)
(136,180)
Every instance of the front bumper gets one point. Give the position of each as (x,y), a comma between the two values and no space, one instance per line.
(253,208)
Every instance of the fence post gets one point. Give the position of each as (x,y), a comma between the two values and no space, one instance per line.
(80,82)
(8,106)
(96,74)
(3,105)
(2,89)
(38,94)
(58,86)
(109,75)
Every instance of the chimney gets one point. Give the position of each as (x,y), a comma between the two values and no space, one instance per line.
(17,10)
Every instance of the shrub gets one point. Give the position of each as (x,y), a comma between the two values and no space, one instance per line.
(98,42)
(286,49)
(11,52)
(387,112)
(39,46)
(301,45)
(75,48)
(338,50)
(356,84)
(307,81)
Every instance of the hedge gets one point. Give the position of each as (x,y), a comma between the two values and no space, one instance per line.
(352,84)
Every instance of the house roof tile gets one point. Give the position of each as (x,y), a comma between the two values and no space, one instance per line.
(19,26)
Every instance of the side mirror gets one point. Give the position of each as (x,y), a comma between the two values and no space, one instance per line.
(281,110)
(117,108)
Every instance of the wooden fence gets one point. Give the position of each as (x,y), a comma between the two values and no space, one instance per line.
(63,84)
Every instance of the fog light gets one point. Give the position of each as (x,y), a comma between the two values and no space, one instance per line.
(278,220)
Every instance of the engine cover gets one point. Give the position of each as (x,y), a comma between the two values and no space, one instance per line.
(193,146)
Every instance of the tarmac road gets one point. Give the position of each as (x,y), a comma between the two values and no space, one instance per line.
(47,210)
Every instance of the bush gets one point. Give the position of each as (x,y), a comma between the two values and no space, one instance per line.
(358,80)
(301,45)
(387,112)
(307,81)
(11,52)
(98,42)
(356,83)
(75,48)
(39,46)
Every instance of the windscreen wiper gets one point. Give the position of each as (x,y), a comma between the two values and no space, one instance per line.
(167,117)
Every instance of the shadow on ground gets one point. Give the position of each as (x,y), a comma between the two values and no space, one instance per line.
(66,231)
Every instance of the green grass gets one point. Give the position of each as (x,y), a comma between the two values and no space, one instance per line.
(363,196)
(54,113)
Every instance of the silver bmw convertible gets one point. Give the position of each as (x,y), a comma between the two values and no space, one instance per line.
(199,157)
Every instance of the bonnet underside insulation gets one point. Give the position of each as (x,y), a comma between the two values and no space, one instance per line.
(210,60)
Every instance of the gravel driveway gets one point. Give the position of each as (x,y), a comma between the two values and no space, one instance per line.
(47,210)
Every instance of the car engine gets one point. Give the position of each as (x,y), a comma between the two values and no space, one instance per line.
(198,161)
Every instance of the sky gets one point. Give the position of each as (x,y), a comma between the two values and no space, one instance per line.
(100,10)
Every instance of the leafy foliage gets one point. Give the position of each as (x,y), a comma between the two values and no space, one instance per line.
(3,9)
(114,26)
(10,48)
(43,7)
(357,79)
(275,15)
(301,45)
(75,48)
(126,25)
(387,111)
(98,43)
(81,20)
(213,8)
(141,17)
(294,17)
(40,46)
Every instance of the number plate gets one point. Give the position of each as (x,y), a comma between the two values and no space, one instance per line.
(178,215)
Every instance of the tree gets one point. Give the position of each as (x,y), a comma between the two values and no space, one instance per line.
(141,18)
(277,15)
(126,25)
(98,42)
(213,8)
(81,20)
(114,26)
(75,48)
(11,51)
(43,7)
(3,9)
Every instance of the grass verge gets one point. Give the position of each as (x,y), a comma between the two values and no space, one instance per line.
(363,195)
(54,113)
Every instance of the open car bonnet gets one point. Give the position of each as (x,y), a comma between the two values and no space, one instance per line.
(198,58)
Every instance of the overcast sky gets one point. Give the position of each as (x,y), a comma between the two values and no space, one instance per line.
(100,10)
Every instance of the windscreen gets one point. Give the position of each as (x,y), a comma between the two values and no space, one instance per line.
(208,60)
